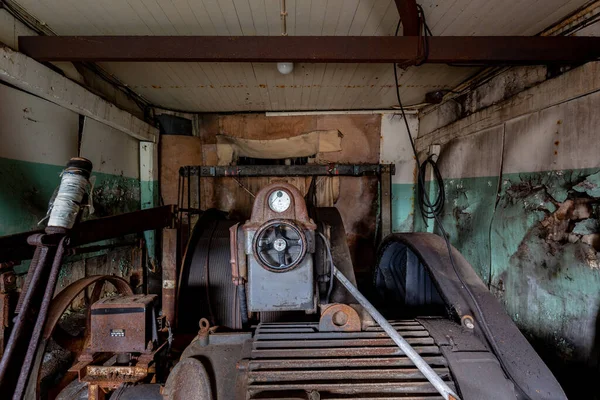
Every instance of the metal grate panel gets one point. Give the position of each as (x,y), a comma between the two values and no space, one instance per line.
(289,360)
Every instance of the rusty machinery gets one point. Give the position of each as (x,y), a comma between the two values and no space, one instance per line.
(124,345)
(33,320)
(275,323)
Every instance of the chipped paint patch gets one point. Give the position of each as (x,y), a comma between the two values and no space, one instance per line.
(27,187)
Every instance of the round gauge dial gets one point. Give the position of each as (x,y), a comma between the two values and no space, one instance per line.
(279,201)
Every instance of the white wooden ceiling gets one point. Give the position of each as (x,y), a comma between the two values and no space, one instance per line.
(258,86)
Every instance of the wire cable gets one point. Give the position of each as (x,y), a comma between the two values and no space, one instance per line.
(331,266)
(429,209)
(434,209)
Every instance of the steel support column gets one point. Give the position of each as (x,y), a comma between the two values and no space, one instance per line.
(409,16)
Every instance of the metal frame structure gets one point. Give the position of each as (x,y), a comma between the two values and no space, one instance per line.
(410,49)
(383,171)
(14,248)
(405,50)
(46,249)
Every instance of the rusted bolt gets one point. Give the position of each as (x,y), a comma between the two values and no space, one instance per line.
(242,365)
(340,318)
(468,322)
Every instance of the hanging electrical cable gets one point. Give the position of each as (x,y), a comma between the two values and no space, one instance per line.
(432,209)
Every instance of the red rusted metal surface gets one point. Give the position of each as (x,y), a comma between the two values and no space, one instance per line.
(99,229)
(103,370)
(123,324)
(5,314)
(169,274)
(7,297)
(24,340)
(16,247)
(261,212)
(57,308)
(96,393)
(234,256)
(188,380)
(409,16)
(301,359)
(339,318)
(62,300)
(313,49)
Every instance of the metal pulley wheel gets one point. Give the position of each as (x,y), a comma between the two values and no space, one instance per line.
(205,286)
(279,245)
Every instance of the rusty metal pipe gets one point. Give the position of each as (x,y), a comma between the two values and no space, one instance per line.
(31,270)
(41,319)
(169,274)
(17,340)
(233,254)
(425,369)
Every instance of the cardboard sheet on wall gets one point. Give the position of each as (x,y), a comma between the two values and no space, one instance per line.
(229,148)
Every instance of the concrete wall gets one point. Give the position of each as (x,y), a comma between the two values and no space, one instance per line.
(10,30)
(37,138)
(523,197)
(396,149)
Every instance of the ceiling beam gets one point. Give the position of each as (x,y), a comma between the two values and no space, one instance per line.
(32,77)
(314,49)
(409,16)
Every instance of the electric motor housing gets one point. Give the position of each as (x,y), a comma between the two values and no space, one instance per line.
(279,243)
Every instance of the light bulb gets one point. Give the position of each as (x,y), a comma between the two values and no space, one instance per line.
(285,67)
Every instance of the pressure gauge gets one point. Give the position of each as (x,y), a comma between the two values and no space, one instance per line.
(279,201)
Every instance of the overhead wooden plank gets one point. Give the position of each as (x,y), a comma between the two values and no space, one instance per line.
(512,50)
(27,74)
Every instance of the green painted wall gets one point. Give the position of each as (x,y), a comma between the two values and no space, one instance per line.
(403,204)
(540,257)
(26,188)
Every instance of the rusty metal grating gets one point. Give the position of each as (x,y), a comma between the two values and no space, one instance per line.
(291,359)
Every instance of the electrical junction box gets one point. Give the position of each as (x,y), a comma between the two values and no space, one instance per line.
(124,324)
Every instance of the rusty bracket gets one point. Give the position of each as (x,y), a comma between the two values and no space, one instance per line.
(339,318)
(19,247)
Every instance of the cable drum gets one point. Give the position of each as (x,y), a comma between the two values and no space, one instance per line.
(206,289)
(66,204)
(74,185)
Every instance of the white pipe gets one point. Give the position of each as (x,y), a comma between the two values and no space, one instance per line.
(344,112)
(283,19)
(425,369)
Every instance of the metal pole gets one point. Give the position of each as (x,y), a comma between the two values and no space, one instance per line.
(425,369)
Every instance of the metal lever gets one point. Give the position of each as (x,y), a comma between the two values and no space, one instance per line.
(425,369)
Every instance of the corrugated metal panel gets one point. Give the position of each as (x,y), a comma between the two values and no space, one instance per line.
(258,86)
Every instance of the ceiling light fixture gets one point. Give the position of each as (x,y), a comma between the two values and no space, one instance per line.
(285,68)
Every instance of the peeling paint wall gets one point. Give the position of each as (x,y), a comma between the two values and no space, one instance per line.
(396,149)
(523,206)
(37,138)
(10,30)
